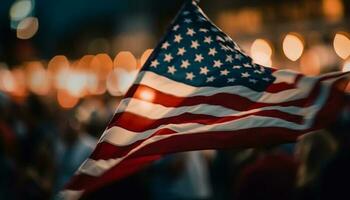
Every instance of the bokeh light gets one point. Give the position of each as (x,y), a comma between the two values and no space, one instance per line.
(20,9)
(38,80)
(261,52)
(346,66)
(293,46)
(341,45)
(126,60)
(310,63)
(27,28)
(66,100)
(333,9)
(145,56)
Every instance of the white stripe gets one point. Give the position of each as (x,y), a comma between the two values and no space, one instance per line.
(157,111)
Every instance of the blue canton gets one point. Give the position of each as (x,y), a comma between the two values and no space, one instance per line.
(197,53)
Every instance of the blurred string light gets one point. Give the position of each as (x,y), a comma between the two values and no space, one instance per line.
(333,9)
(19,10)
(7,81)
(293,46)
(119,81)
(341,45)
(58,68)
(310,63)
(261,52)
(346,66)
(101,65)
(20,88)
(38,80)
(145,56)
(27,28)
(65,99)
(125,60)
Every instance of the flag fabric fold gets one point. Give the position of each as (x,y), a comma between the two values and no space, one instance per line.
(199,90)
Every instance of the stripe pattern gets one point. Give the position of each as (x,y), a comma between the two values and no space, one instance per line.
(189,96)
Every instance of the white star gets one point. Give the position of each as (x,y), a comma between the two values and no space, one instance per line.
(187,20)
(198,58)
(236,67)
(231,80)
(210,79)
(214,29)
(225,48)
(208,40)
(186,12)
(229,58)
(238,56)
(253,80)
(168,57)
(190,76)
(224,72)
(245,75)
(181,51)
(185,64)
(165,45)
(178,38)
(204,70)
(266,79)
(201,19)
(212,51)
(257,71)
(247,65)
(171,70)
(218,38)
(203,30)
(154,63)
(194,44)
(190,32)
(176,27)
(217,63)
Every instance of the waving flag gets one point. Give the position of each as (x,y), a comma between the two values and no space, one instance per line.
(199,90)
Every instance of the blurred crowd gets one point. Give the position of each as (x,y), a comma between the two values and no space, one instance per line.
(41,146)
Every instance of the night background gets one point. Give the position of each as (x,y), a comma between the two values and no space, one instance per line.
(65,65)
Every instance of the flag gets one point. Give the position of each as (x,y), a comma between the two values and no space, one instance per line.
(199,90)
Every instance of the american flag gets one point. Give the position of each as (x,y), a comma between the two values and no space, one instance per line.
(199,90)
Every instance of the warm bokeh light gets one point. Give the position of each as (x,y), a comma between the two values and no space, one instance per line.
(125,79)
(76,82)
(112,84)
(38,80)
(333,9)
(19,76)
(7,81)
(145,56)
(261,52)
(126,60)
(146,95)
(85,61)
(341,45)
(346,66)
(293,46)
(27,28)
(102,65)
(310,63)
(20,9)
(66,100)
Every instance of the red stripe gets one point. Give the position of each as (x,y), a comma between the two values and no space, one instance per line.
(231,101)
(137,123)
